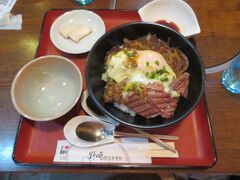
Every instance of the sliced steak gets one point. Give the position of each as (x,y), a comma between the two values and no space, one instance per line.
(140,106)
(181,84)
(156,102)
(161,100)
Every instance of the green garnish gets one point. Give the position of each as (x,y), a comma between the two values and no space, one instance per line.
(130,86)
(157,63)
(134,87)
(164,79)
(160,75)
(130,53)
(147,63)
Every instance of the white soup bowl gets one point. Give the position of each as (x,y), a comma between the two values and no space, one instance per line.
(46,88)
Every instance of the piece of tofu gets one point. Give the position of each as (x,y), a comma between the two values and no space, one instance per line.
(64,31)
(79,32)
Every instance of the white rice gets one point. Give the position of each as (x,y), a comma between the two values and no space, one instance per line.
(104,77)
(124,108)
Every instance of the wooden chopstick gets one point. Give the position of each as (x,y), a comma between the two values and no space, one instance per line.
(125,134)
(156,140)
(157,151)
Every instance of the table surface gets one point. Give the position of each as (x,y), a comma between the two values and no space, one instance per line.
(218,41)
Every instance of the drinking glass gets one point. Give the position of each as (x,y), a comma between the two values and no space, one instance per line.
(231,76)
(83,2)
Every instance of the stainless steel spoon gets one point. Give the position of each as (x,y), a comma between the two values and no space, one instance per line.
(94,131)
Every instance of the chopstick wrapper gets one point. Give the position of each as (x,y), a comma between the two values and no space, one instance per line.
(123,150)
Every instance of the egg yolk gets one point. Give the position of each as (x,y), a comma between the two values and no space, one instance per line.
(148,60)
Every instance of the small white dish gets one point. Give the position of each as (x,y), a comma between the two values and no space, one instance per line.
(78,17)
(46,88)
(176,11)
(69,131)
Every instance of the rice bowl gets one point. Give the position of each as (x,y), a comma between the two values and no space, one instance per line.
(96,61)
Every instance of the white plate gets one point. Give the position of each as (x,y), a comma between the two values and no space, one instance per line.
(176,11)
(69,131)
(79,17)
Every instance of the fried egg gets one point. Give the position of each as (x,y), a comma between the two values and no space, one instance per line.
(149,63)
(147,68)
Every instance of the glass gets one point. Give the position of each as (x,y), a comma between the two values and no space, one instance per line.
(83,2)
(231,76)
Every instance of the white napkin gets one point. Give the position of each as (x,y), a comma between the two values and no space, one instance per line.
(124,150)
(10,22)
(7,5)
(7,20)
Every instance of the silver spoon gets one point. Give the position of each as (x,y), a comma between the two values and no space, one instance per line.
(95,131)
(92,131)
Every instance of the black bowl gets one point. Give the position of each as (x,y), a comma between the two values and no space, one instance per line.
(95,69)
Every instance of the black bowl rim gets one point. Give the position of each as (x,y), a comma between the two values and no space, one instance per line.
(142,126)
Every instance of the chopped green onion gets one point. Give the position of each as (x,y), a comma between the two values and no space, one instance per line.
(160,75)
(157,63)
(134,87)
(130,53)
(147,63)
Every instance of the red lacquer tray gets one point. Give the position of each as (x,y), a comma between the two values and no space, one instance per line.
(36,141)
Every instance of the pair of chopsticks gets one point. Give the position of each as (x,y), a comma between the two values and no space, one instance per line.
(156,140)
(157,151)
(127,134)
(155,137)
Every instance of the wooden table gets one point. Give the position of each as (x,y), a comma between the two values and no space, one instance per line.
(218,41)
